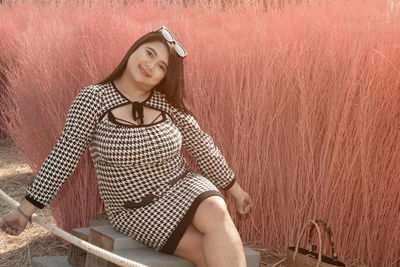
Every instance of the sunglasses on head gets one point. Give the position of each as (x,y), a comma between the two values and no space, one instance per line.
(170,38)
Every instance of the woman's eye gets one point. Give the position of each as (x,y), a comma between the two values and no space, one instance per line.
(149,53)
(162,67)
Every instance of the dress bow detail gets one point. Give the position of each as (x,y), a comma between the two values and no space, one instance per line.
(137,111)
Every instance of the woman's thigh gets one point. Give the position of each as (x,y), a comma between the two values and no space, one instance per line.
(191,246)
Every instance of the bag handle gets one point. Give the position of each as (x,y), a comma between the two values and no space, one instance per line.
(329,231)
(315,225)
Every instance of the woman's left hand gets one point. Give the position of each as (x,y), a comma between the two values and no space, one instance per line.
(243,202)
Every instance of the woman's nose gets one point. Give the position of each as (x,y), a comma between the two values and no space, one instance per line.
(150,66)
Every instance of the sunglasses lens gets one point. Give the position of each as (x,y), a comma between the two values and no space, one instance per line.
(170,38)
(180,50)
(167,35)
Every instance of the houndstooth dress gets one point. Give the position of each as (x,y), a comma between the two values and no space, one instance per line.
(149,192)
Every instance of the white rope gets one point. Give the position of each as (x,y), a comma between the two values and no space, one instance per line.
(102,253)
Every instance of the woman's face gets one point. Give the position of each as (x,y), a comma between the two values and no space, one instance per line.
(148,65)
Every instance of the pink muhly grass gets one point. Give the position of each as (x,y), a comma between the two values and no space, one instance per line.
(302,101)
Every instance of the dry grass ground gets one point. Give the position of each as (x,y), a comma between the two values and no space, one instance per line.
(35,241)
(15,175)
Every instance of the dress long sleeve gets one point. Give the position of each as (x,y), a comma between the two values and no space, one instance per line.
(80,124)
(209,160)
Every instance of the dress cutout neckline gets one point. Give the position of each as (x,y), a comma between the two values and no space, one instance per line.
(137,107)
(114,120)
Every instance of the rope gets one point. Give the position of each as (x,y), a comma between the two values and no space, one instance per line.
(102,253)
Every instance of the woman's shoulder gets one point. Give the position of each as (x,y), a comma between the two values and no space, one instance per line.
(160,101)
(90,95)
(98,88)
(160,96)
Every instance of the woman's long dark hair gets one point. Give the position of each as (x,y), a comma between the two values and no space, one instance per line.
(172,85)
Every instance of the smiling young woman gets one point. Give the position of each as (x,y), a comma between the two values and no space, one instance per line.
(135,123)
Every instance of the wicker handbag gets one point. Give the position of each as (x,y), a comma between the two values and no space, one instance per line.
(300,257)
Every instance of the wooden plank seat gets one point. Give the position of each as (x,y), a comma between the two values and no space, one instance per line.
(101,233)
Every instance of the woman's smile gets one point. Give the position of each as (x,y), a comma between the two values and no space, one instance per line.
(143,72)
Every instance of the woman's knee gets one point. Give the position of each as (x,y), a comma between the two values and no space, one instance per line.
(190,246)
(210,213)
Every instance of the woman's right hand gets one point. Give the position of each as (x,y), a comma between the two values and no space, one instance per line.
(13,223)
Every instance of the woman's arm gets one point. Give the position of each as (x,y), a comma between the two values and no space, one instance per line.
(235,190)
(80,123)
(209,160)
(79,126)
(81,120)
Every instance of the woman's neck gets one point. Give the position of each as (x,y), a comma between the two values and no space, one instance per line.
(130,89)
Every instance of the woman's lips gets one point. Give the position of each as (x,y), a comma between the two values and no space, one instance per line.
(144,72)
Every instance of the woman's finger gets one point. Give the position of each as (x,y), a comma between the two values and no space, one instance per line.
(9,229)
(249,202)
(247,209)
(243,208)
(248,206)
(4,227)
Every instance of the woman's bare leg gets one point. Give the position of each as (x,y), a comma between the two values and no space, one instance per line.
(222,245)
(190,246)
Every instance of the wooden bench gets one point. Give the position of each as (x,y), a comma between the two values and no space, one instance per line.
(101,233)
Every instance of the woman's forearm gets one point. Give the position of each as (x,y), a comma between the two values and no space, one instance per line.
(235,189)
(27,207)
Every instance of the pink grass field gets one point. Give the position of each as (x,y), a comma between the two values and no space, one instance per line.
(302,100)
